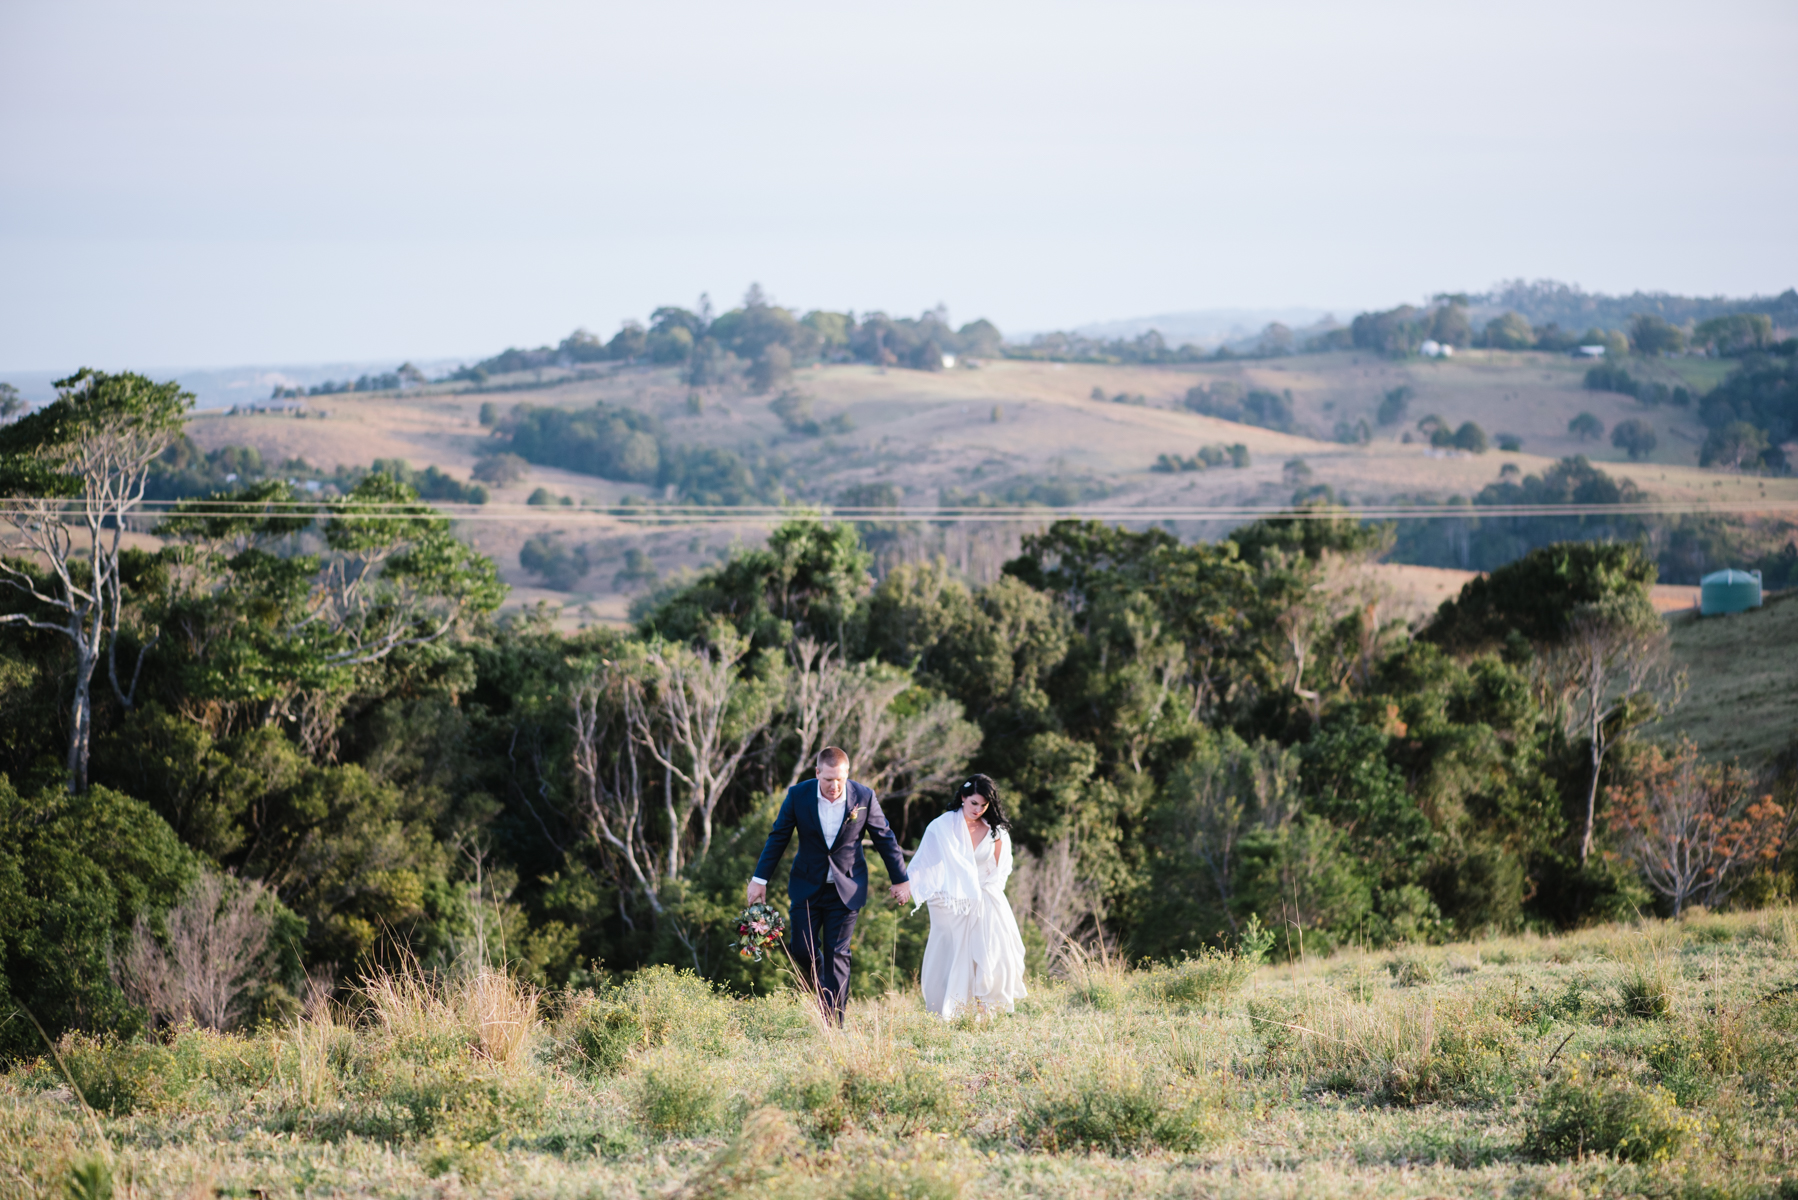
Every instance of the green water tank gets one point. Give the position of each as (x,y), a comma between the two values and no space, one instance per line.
(1729,591)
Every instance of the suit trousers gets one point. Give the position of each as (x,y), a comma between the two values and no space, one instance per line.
(822,928)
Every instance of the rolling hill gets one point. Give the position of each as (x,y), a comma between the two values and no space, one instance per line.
(1006,431)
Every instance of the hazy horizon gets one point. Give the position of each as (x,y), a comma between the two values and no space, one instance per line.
(214,184)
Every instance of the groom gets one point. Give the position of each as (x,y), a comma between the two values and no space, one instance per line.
(829,883)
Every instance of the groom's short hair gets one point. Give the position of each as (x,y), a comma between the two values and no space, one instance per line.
(832,756)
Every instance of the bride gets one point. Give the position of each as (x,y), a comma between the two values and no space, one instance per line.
(974,958)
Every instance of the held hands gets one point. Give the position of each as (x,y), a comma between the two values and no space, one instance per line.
(757,892)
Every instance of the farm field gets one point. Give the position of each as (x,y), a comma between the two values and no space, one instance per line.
(1004,426)
(1654,1059)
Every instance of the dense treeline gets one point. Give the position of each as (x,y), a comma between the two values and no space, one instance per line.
(1753,412)
(1544,301)
(1683,548)
(317,706)
(183,471)
(621,443)
(759,342)
(1517,316)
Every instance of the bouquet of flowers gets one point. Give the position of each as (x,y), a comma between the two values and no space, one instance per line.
(759,928)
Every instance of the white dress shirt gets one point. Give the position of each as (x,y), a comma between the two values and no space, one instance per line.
(830,816)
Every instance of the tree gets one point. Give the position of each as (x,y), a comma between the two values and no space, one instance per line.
(583,346)
(72,474)
(11,403)
(771,369)
(1763,393)
(1393,405)
(500,469)
(76,872)
(1397,331)
(696,714)
(833,330)
(1224,792)
(1737,445)
(547,555)
(1509,331)
(1600,673)
(1694,829)
(285,634)
(611,795)
(1586,427)
(980,339)
(1448,323)
(671,345)
(1470,437)
(216,943)
(1737,333)
(899,749)
(629,343)
(669,317)
(710,363)
(1536,596)
(1635,437)
(1654,335)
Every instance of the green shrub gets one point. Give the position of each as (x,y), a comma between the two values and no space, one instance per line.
(461,1100)
(602,1034)
(1120,1109)
(1684,1067)
(1574,1002)
(896,1092)
(76,872)
(676,1008)
(117,1077)
(777,1017)
(679,1093)
(1195,981)
(1471,1058)
(658,1006)
(1581,1114)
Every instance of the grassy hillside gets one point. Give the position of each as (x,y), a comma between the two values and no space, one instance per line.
(1742,675)
(1657,1059)
(1010,429)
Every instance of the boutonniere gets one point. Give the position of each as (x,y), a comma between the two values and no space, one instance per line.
(855,814)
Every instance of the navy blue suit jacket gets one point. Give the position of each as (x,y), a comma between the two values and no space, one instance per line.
(812,861)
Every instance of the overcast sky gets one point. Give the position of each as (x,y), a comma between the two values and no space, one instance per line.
(194,184)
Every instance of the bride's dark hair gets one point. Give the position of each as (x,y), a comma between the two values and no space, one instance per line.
(994,816)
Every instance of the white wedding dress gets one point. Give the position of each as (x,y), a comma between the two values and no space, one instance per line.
(975,958)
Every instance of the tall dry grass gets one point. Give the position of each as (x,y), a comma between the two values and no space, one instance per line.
(492,1011)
